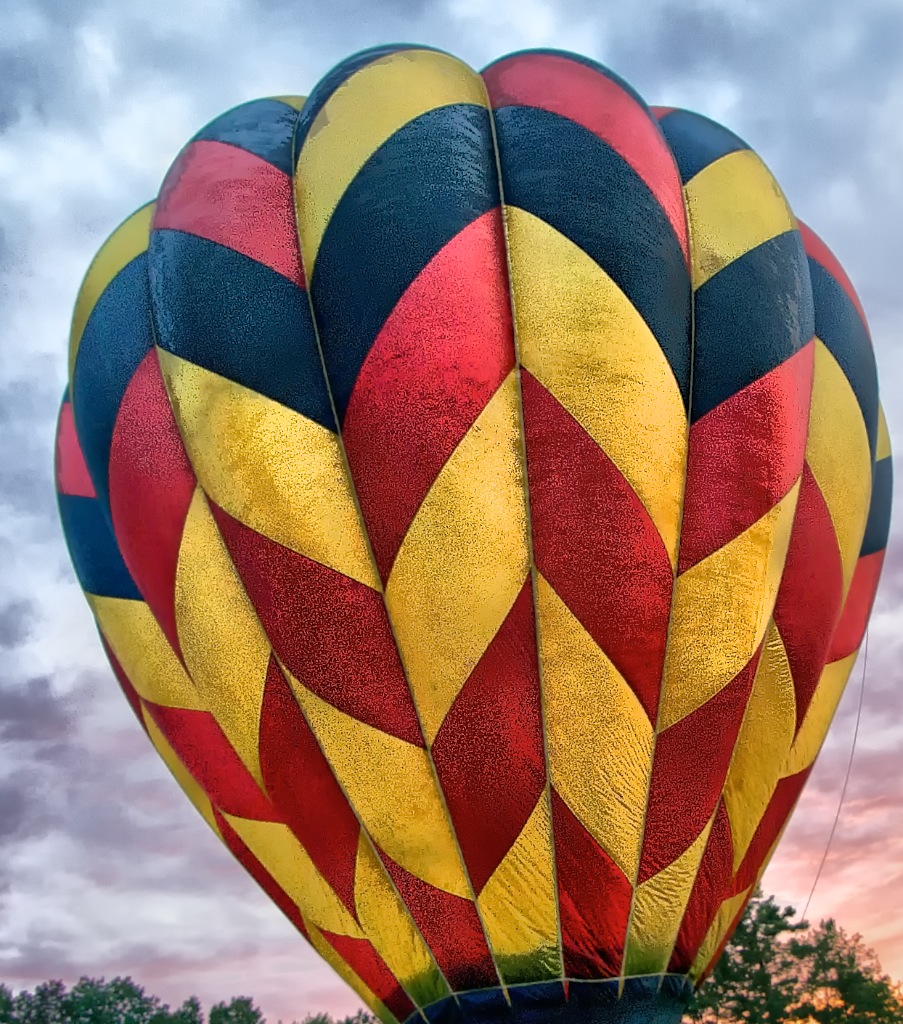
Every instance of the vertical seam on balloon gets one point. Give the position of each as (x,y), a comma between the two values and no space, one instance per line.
(364,831)
(366,535)
(273,802)
(872,463)
(771,623)
(214,805)
(692,339)
(204,704)
(529,522)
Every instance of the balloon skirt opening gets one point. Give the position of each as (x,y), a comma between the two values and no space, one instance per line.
(646,1000)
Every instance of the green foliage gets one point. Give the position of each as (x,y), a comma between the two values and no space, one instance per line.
(120,1001)
(777,971)
(361,1017)
(240,1011)
(842,981)
(755,978)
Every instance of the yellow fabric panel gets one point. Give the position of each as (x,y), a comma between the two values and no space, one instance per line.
(142,649)
(463,561)
(762,746)
(658,909)
(389,927)
(277,849)
(721,609)
(392,787)
(585,342)
(733,205)
(365,111)
(599,738)
(730,908)
(837,452)
(180,773)
(224,646)
(344,971)
(883,448)
(519,904)
(726,914)
(272,469)
(819,714)
(292,101)
(124,244)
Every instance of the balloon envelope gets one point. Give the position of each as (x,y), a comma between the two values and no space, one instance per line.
(480,485)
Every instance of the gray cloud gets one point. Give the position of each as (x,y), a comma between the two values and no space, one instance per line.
(33,74)
(22,85)
(30,712)
(15,622)
(27,418)
(13,810)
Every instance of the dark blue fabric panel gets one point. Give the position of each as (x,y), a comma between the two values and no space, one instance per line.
(877,527)
(422,187)
(750,318)
(265,128)
(92,546)
(565,175)
(840,327)
(117,337)
(648,1000)
(697,141)
(220,309)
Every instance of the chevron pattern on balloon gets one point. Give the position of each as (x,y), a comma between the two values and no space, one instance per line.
(480,485)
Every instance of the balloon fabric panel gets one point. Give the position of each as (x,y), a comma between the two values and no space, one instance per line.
(480,486)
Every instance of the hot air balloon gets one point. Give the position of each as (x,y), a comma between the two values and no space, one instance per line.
(481,489)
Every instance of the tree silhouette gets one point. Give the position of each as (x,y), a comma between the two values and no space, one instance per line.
(840,980)
(777,971)
(755,979)
(120,1001)
(240,1011)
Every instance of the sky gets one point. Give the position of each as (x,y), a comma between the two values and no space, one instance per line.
(105,868)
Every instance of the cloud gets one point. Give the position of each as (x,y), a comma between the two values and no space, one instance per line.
(13,810)
(15,622)
(32,712)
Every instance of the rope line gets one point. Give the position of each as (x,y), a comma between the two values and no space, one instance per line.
(846,781)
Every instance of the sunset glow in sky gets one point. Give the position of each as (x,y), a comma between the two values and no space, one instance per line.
(105,868)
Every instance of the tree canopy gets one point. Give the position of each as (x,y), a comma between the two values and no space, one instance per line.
(777,971)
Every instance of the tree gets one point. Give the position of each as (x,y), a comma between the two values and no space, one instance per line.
(840,980)
(189,1012)
(755,978)
(361,1017)
(777,971)
(241,1010)
(120,1001)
